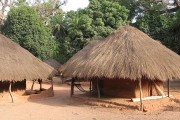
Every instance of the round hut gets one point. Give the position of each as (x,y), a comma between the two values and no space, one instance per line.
(53,63)
(18,65)
(125,60)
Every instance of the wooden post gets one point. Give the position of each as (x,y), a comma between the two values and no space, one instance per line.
(52,86)
(11,92)
(90,87)
(150,87)
(168,88)
(72,87)
(32,85)
(98,90)
(140,89)
(40,83)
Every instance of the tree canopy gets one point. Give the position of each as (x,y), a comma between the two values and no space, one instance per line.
(76,28)
(24,26)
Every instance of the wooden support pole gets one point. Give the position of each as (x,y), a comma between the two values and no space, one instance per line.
(150,87)
(11,92)
(40,84)
(140,89)
(98,90)
(72,87)
(32,85)
(90,87)
(52,86)
(168,88)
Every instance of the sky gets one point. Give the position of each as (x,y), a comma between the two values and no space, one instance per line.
(75,4)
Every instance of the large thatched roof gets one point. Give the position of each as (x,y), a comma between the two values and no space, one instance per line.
(53,63)
(16,63)
(126,53)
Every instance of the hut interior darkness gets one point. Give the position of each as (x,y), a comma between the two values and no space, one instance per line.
(130,62)
(15,85)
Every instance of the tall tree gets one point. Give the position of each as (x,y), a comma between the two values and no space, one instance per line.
(24,26)
(173,39)
(99,19)
(48,8)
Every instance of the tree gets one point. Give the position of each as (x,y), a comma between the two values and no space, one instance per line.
(58,26)
(99,19)
(48,8)
(107,16)
(155,24)
(173,39)
(24,27)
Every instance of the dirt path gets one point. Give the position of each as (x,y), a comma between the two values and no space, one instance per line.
(62,107)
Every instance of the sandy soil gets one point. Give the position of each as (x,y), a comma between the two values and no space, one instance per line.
(80,107)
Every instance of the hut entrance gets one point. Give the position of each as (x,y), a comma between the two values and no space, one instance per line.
(125,88)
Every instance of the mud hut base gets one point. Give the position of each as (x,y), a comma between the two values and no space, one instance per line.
(124,88)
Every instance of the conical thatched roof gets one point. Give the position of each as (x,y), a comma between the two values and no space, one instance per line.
(16,63)
(126,53)
(53,63)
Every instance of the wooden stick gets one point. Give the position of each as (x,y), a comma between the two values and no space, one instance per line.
(11,93)
(168,88)
(160,92)
(72,87)
(99,94)
(150,87)
(90,86)
(40,83)
(140,89)
(32,85)
(52,86)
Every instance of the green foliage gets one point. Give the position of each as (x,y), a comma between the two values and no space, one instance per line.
(162,27)
(48,8)
(154,24)
(173,39)
(58,26)
(77,28)
(24,27)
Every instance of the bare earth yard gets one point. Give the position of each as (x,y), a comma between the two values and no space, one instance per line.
(80,107)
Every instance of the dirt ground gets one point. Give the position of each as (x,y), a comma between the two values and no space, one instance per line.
(81,106)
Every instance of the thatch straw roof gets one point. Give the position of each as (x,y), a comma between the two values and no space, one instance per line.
(53,63)
(16,63)
(126,53)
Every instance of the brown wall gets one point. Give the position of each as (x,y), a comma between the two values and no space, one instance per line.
(125,88)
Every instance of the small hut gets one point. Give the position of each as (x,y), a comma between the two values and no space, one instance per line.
(53,63)
(18,65)
(124,63)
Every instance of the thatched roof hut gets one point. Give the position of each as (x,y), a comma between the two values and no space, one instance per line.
(17,64)
(127,53)
(53,63)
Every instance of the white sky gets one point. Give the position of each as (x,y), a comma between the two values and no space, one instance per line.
(75,4)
